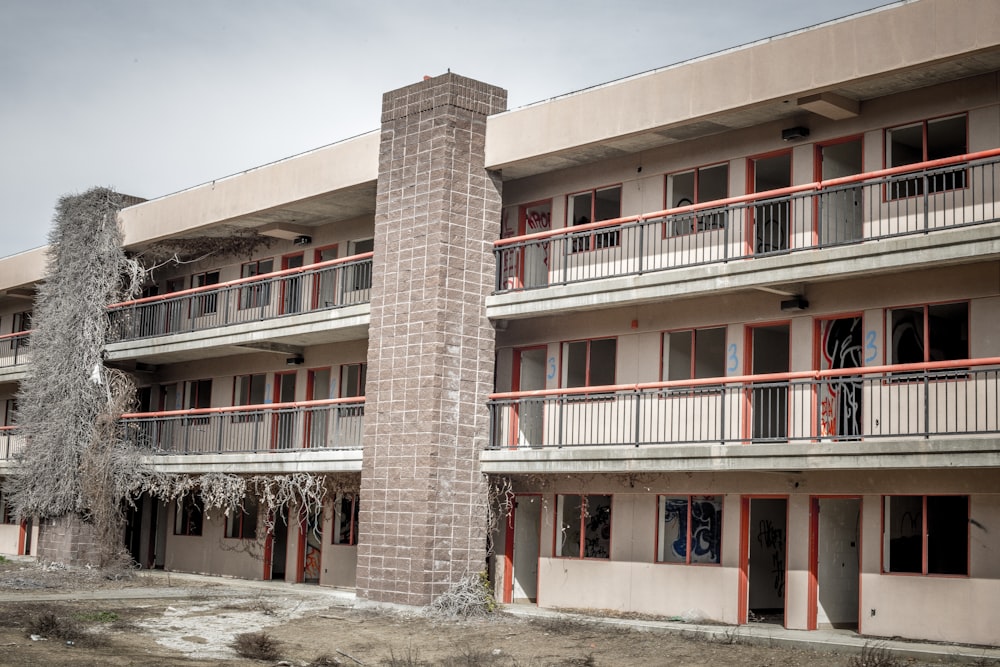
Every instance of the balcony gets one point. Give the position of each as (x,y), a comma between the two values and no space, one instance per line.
(331,424)
(898,207)
(292,306)
(789,419)
(11,443)
(15,354)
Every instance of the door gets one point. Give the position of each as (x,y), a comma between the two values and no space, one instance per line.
(325,285)
(285,419)
(840,396)
(763,558)
(291,286)
(522,550)
(529,375)
(839,209)
(770,219)
(358,277)
(834,562)
(769,353)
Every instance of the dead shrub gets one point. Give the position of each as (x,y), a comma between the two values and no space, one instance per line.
(48,625)
(325,660)
(256,646)
(409,659)
(874,655)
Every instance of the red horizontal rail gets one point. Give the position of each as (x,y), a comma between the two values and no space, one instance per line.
(262,407)
(747,379)
(16,334)
(756,196)
(241,281)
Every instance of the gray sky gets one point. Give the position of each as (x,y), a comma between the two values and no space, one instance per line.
(154,96)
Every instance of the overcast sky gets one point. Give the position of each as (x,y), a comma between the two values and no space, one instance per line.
(154,96)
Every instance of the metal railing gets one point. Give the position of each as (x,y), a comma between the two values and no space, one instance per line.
(15,349)
(11,443)
(333,284)
(915,199)
(326,424)
(912,400)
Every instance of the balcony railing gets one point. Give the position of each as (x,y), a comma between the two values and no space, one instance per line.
(326,424)
(15,349)
(11,443)
(911,401)
(915,199)
(333,284)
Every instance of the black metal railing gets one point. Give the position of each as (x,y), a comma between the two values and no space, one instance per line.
(915,400)
(15,349)
(916,199)
(11,443)
(327,424)
(333,284)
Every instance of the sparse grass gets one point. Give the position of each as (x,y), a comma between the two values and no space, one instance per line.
(256,646)
(96,616)
(731,637)
(470,656)
(411,658)
(874,655)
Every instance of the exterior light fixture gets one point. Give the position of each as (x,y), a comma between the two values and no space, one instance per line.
(795,303)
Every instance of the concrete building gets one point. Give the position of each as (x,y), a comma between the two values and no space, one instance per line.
(730,331)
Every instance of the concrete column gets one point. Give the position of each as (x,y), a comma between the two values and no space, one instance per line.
(431,347)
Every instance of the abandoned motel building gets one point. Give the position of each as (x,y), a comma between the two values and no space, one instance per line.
(727,333)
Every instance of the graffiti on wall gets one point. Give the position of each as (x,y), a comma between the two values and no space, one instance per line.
(535,219)
(841,346)
(772,539)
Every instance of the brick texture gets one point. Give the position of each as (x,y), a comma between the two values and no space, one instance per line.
(67,540)
(431,347)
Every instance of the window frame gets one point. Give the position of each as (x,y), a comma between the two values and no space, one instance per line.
(698,221)
(208,303)
(339,521)
(195,399)
(237,527)
(689,500)
(890,347)
(893,188)
(259,295)
(593,240)
(693,367)
(6,513)
(237,402)
(186,510)
(925,537)
(564,365)
(584,504)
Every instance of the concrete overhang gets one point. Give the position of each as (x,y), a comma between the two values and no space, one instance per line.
(830,68)
(937,249)
(328,184)
(328,461)
(19,275)
(302,330)
(940,453)
(13,374)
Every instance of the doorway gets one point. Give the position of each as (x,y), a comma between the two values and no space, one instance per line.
(769,353)
(529,414)
(310,546)
(834,562)
(276,547)
(317,419)
(839,209)
(839,343)
(291,286)
(325,287)
(521,550)
(763,558)
(285,421)
(771,218)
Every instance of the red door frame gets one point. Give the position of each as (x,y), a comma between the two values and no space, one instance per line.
(278,398)
(747,426)
(508,550)
(317,258)
(286,279)
(814,418)
(743,585)
(308,415)
(749,229)
(515,383)
(818,172)
(812,600)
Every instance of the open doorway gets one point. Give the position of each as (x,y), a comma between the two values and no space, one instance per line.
(529,375)
(285,420)
(521,550)
(771,217)
(276,547)
(291,286)
(840,209)
(763,559)
(834,562)
(310,546)
(769,353)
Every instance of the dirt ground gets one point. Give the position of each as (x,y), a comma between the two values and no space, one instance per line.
(195,624)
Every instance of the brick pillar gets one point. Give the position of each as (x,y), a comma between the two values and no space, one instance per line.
(431,347)
(68,540)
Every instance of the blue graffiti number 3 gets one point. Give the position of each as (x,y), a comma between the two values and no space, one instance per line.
(871,350)
(733,360)
(552,368)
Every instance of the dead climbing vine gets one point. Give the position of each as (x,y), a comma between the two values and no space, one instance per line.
(226,241)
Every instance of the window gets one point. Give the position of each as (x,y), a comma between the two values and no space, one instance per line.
(188,516)
(207,303)
(696,187)
(594,206)
(345,520)
(258,294)
(589,363)
(359,276)
(248,390)
(6,511)
(584,526)
(10,412)
(694,353)
(690,529)
(199,395)
(21,323)
(241,523)
(925,534)
(937,332)
(919,142)
(352,380)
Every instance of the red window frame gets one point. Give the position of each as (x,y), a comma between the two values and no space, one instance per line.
(563,375)
(596,239)
(925,536)
(584,513)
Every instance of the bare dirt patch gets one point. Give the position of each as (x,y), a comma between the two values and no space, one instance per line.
(198,626)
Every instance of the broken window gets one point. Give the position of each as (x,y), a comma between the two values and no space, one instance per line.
(241,523)
(188,517)
(920,142)
(584,526)
(937,332)
(694,353)
(925,534)
(690,529)
(259,293)
(589,363)
(594,206)
(345,519)
(697,186)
